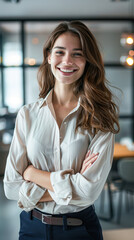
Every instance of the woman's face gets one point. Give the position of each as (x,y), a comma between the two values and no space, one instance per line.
(66,58)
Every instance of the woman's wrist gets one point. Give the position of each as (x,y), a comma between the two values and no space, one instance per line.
(46,197)
(29,173)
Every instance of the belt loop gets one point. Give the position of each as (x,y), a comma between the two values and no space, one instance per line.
(64,222)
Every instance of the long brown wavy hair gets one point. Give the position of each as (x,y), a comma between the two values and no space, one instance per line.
(98,110)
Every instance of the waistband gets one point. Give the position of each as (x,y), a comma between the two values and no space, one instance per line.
(71,219)
(59,221)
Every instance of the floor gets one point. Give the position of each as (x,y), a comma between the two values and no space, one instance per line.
(9,216)
(117,234)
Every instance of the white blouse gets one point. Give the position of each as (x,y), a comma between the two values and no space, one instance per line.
(37,140)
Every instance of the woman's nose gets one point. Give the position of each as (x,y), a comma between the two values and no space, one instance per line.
(67,59)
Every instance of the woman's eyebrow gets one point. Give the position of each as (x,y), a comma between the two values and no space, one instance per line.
(59,47)
(74,49)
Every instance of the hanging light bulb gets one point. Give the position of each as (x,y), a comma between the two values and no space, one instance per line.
(130,40)
(127,39)
(128,60)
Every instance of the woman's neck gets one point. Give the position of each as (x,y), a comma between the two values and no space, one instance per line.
(63,95)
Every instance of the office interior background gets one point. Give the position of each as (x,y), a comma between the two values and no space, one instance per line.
(25,26)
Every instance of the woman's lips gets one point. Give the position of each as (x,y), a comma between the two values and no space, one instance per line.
(66,71)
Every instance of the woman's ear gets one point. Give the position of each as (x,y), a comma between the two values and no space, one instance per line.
(49,58)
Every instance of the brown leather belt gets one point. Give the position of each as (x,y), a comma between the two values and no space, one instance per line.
(52,220)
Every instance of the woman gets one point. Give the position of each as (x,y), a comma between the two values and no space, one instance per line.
(62,148)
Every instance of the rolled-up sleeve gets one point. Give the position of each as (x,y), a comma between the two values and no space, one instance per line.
(83,189)
(16,188)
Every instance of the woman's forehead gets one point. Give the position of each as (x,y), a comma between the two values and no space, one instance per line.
(68,39)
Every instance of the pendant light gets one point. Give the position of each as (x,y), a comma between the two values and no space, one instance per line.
(127,39)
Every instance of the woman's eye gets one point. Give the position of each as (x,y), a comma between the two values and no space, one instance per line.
(77,55)
(59,52)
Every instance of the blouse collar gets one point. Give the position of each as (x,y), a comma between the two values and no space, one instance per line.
(48,100)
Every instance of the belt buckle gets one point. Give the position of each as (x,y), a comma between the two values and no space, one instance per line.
(43,218)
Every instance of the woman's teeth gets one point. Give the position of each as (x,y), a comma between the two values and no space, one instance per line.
(67,70)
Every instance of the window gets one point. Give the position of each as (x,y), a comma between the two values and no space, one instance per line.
(11,45)
(11,55)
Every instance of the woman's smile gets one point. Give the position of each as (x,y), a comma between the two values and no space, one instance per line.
(66,71)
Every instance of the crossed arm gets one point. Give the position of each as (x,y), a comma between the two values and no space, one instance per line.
(42,178)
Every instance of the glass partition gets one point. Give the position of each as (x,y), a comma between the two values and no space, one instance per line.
(11,45)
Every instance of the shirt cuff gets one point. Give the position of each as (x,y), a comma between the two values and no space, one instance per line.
(61,183)
(29,196)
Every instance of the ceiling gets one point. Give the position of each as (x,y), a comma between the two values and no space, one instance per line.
(67,8)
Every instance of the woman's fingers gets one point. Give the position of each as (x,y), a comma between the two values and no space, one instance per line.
(90,157)
(89,161)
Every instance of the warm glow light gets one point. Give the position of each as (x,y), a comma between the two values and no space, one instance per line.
(127,60)
(35,41)
(31,61)
(130,61)
(129,40)
(131,52)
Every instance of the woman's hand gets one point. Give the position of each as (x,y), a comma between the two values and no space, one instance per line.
(90,158)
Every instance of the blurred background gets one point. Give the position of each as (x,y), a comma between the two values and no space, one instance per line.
(24,27)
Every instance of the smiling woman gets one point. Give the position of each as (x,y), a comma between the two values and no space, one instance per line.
(62,148)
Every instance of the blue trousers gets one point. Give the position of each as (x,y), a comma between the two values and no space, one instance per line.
(33,229)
